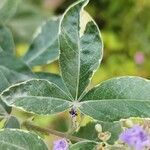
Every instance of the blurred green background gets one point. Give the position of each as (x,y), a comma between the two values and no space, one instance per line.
(125,28)
(124,24)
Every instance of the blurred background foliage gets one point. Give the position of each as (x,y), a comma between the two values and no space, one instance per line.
(124,24)
(125,28)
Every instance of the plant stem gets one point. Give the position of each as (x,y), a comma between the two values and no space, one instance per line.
(47,131)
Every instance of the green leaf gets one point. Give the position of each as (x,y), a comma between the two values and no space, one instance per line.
(12,70)
(37,96)
(118,98)
(1,50)
(80,48)
(7,9)
(13,63)
(86,145)
(20,140)
(6,40)
(12,122)
(114,128)
(54,78)
(4,109)
(44,48)
(27,18)
(89,132)
(9,77)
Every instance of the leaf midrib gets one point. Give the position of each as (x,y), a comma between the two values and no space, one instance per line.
(39,97)
(79,57)
(114,100)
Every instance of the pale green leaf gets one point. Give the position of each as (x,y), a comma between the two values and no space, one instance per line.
(1,50)
(24,27)
(54,78)
(9,77)
(12,139)
(12,70)
(89,132)
(86,145)
(12,122)
(6,40)
(80,48)
(114,128)
(7,9)
(4,109)
(118,98)
(37,96)
(44,47)
(13,63)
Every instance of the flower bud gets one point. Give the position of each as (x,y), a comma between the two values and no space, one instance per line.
(98,128)
(129,123)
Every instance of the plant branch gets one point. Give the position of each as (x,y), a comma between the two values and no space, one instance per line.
(47,131)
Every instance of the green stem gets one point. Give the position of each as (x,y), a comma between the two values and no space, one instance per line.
(47,131)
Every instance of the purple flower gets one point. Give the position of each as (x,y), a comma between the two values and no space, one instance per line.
(61,144)
(139,58)
(136,137)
